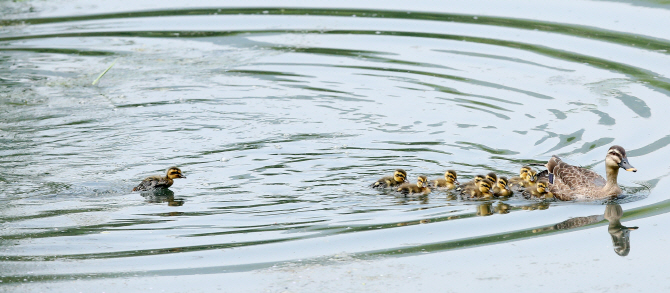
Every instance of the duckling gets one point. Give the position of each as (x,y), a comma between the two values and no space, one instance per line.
(500,189)
(569,182)
(419,188)
(472,183)
(156,182)
(517,182)
(540,191)
(391,181)
(483,190)
(449,182)
(492,176)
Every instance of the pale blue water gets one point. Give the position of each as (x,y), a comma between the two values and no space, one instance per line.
(282,114)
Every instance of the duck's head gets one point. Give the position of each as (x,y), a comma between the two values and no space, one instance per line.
(492,176)
(542,185)
(616,157)
(422,181)
(450,176)
(174,172)
(478,178)
(502,182)
(485,185)
(399,175)
(523,173)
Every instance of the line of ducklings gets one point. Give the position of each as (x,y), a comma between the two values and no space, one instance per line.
(480,187)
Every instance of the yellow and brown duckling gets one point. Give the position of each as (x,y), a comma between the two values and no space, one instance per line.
(526,178)
(539,190)
(492,176)
(157,182)
(483,190)
(449,182)
(472,183)
(500,188)
(397,179)
(420,188)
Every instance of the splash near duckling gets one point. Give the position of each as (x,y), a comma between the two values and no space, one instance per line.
(158,182)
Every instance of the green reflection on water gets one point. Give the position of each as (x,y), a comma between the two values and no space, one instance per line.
(573,30)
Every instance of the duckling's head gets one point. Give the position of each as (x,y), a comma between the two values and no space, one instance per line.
(422,181)
(399,175)
(492,176)
(485,185)
(532,176)
(523,173)
(542,185)
(450,176)
(174,172)
(479,178)
(616,158)
(502,182)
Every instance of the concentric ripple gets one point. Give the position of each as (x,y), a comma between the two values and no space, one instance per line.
(281,117)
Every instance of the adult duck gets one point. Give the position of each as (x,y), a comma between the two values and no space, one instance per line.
(569,182)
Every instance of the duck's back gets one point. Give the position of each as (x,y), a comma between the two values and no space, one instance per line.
(153,182)
(572,182)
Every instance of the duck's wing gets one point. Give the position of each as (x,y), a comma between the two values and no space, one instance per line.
(574,176)
(383,183)
(150,183)
(569,179)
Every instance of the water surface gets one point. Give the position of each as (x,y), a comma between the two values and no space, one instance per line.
(282,115)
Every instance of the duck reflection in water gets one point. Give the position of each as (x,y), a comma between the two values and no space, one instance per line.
(161,196)
(613,213)
(620,233)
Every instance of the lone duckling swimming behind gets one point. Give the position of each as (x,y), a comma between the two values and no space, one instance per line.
(391,181)
(416,189)
(156,182)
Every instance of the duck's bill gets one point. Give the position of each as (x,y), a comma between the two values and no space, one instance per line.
(182,176)
(627,166)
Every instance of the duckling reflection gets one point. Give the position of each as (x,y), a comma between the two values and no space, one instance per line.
(161,196)
(485,209)
(502,208)
(620,233)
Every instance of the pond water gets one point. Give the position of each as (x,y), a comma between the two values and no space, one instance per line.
(281,115)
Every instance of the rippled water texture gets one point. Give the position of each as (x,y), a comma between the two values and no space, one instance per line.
(281,116)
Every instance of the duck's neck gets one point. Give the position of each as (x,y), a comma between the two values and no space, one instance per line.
(612,174)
